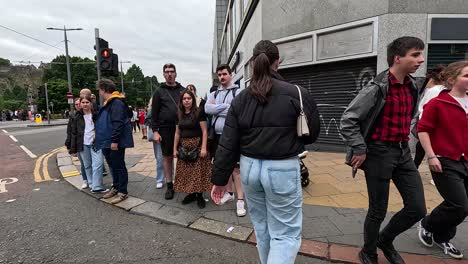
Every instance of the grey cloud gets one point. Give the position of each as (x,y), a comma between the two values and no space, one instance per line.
(148,33)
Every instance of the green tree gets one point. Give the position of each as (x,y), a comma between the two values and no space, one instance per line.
(134,81)
(83,73)
(4,62)
(56,91)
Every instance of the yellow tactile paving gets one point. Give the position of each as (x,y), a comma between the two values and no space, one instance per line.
(331,181)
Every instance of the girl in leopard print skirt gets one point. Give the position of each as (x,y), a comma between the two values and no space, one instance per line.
(192,176)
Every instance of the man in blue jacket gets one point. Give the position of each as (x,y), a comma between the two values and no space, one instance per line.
(113,136)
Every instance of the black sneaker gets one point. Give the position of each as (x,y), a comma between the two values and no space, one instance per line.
(201,201)
(450,249)
(367,258)
(189,198)
(390,252)
(425,236)
(169,194)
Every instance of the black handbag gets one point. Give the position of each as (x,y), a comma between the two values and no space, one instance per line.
(189,156)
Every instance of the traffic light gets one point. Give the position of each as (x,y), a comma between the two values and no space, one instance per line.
(106,60)
(115,65)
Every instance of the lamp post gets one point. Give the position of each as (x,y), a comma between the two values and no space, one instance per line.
(67,57)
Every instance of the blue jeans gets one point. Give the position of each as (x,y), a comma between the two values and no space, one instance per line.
(83,171)
(116,161)
(274,200)
(159,162)
(93,164)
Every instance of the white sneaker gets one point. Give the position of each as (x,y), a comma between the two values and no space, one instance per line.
(85,185)
(159,185)
(241,208)
(227,197)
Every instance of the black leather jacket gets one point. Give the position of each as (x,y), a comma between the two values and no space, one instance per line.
(361,116)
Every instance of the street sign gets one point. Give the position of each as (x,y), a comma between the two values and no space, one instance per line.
(70,98)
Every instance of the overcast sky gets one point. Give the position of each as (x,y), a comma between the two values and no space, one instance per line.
(148,33)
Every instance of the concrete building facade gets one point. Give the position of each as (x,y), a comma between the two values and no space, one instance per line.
(334,47)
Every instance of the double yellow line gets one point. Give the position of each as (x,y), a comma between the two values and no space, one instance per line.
(43,160)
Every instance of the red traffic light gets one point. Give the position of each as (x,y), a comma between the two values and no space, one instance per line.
(105,54)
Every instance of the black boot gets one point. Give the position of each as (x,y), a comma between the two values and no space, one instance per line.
(200,201)
(367,258)
(170,191)
(390,252)
(192,197)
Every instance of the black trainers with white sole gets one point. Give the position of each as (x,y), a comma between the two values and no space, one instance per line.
(425,236)
(450,249)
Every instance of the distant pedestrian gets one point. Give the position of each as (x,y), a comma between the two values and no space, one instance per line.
(193,170)
(113,136)
(82,143)
(71,120)
(141,121)
(163,119)
(443,131)
(376,127)
(432,90)
(261,126)
(135,120)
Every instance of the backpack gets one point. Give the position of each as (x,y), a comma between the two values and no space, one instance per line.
(209,118)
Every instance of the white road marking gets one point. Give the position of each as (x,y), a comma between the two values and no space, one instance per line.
(4,131)
(30,154)
(11,200)
(13,138)
(37,189)
(4,182)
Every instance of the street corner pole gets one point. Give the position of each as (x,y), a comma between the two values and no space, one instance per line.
(98,60)
(67,59)
(47,103)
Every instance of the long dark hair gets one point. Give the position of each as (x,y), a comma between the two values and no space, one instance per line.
(193,109)
(265,53)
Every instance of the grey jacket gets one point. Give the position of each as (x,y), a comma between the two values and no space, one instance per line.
(219,105)
(362,114)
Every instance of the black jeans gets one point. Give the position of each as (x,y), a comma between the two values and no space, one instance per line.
(452,185)
(116,161)
(419,155)
(384,163)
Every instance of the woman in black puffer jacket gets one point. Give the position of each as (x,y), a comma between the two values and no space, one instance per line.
(261,128)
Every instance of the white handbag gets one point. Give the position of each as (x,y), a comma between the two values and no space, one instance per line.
(302,127)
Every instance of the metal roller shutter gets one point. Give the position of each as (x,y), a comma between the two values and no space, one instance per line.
(445,54)
(333,86)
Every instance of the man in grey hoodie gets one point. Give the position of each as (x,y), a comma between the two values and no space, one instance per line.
(217,105)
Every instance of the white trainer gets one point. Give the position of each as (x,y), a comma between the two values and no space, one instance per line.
(85,185)
(159,185)
(227,197)
(241,208)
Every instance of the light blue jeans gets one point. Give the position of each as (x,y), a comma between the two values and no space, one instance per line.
(274,200)
(159,162)
(82,168)
(93,163)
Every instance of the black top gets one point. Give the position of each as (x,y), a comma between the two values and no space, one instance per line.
(264,131)
(164,107)
(190,127)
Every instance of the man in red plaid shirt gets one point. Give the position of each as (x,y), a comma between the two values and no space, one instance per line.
(375,128)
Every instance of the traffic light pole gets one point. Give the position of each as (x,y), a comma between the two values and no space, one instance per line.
(67,60)
(98,54)
(98,61)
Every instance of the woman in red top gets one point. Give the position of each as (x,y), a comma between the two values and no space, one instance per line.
(141,120)
(443,132)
